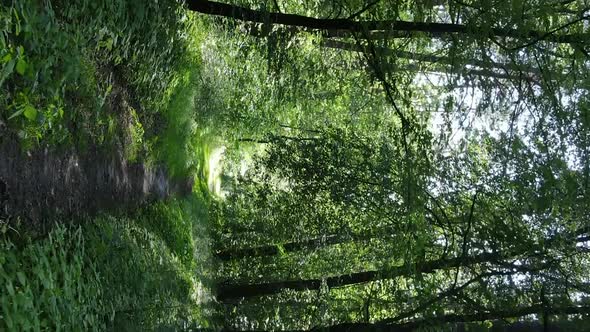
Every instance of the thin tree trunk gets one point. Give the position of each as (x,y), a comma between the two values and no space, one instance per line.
(306,244)
(228,291)
(385,326)
(249,15)
(321,242)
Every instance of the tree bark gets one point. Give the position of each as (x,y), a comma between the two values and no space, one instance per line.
(385,326)
(227,292)
(249,15)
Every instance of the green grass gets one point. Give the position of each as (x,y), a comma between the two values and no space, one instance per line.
(50,285)
(58,62)
(148,264)
(62,63)
(113,272)
(179,140)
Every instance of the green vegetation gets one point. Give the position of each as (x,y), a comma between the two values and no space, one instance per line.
(120,76)
(118,273)
(148,268)
(409,165)
(50,285)
(384,166)
(73,78)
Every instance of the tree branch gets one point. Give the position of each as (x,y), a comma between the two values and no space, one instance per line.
(249,15)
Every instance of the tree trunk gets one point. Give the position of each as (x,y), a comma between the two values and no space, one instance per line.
(497,316)
(249,15)
(227,291)
(324,241)
(235,291)
(307,244)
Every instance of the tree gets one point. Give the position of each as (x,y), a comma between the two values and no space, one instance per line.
(438,207)
(246,14)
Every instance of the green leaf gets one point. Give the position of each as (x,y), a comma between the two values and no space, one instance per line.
(17,113)
(30,112)
(7,57)
(21,278)
(109,44)
(10,288)
(7,70)
(21,66)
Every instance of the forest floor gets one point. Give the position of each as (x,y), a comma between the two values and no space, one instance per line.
(120,203)
(78,182)
(104,169)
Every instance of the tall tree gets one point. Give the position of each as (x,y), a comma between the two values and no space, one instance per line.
(456,200)
(246,14)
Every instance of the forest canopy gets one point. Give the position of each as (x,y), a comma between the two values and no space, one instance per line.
(412,163)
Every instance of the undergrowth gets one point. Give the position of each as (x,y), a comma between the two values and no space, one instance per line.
(114,272)
(63,62)
(118,74)
(49,285)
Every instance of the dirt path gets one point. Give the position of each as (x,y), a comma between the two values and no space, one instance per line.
(40,184)
(45,183)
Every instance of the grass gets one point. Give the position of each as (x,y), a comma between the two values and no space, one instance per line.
(179,140)
(49,285)
(113,272)
(117,74)
(62,63)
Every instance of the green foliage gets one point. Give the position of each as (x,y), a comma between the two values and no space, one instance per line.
(57,59)
(147,265)
(108,73)
(395,150)
(145,283)
(136,132)
(172,223)
(179,142)
(112,273)
(50,284)
(71,73)
(38,58)
(435,172)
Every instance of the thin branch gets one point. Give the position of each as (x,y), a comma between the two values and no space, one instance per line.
(364,9)
(550,33)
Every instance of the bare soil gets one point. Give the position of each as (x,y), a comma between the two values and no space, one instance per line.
(39,185)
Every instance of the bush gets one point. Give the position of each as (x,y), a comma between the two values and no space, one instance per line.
(56,61)
(144,283)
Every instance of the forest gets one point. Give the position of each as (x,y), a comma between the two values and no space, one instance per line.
(282,165)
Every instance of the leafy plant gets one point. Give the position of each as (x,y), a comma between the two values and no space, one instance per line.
(50,285)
